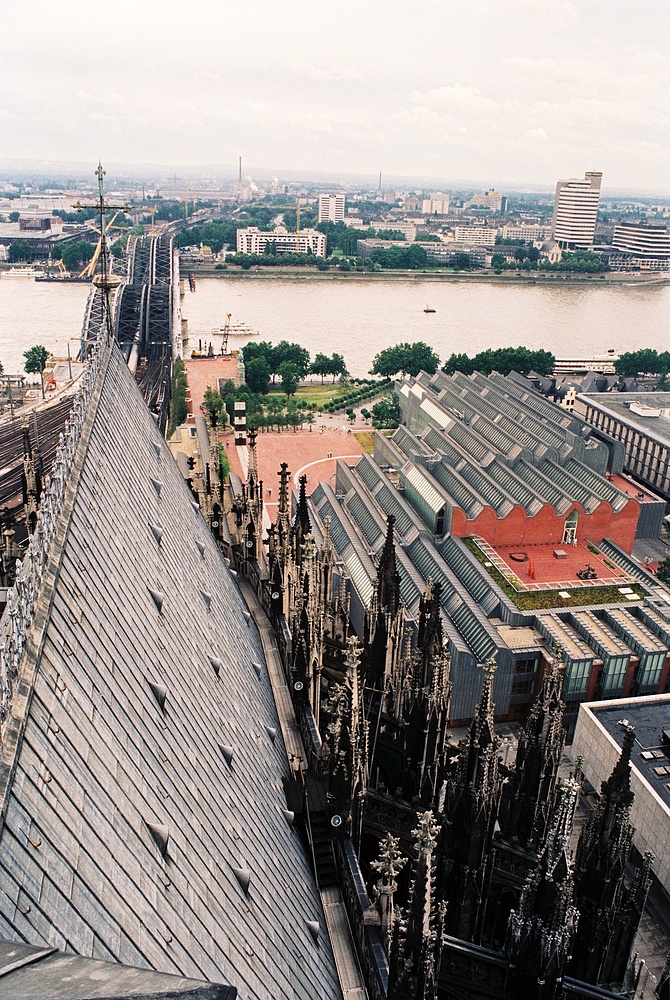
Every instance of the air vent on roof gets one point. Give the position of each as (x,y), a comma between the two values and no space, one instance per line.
(201,547)
(157,485)
(207,598)
(195,506)
(216,664)
(160,693)
(157,448)
(243,876)
(157,597)
(246,616)
(157,532)
(313,928)
(258,667)
(272,732)
(161,835)
(227,751)
(289,816)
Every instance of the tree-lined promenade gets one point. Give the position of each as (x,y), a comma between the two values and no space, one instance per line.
(276,395)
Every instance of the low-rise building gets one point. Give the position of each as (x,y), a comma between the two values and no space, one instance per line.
(42,240)
(641,421)
(254,241)
(491,199)
(599,739)
(514,507)
(640,246)
(484,236)
(526,231)
(437,204)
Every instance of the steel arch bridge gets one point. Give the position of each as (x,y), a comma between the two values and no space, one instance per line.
(142,314)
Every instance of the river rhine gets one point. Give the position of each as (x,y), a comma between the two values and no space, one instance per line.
(358,318)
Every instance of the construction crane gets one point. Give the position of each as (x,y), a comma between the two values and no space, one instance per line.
(89,270)
(225,333)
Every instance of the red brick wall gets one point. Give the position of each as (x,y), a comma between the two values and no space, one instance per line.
(547,526)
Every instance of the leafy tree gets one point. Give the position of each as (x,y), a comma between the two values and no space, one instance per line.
(503,360)
(19,250)
(35,361)
(13,216)
(365,413)
(213,403)
(290,377)
(645,361)
(294,354)
(663,571)
(321,365)
(386,412)
(178,405)
(118,247)
(498,260)
(76,253)
(391,234)
(405,359)
(257,375)
(338,367)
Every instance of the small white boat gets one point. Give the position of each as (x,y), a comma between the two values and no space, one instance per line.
(234,330)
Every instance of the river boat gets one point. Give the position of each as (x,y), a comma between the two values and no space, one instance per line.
(235,330)
(23,272)
(605,363)
(429,309)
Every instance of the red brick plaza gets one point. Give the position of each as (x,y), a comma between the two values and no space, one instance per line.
(313,453)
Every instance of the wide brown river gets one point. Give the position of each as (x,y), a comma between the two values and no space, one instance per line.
(358,317)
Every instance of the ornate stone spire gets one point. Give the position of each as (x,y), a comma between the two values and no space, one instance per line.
(471,807)
(348,746)
(390,863)
(541,931)
(610,908)
(531,794)
(252,470)
(388,579)
(415,958)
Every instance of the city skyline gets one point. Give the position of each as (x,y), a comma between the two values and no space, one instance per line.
(518,94)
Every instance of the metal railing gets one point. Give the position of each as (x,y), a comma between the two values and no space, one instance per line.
(23,595)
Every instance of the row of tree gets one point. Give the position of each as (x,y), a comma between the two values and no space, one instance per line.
(503,360)
(410,359)
(287,362)
(646,361)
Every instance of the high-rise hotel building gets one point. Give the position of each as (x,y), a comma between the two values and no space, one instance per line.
(331,208)
(576,211)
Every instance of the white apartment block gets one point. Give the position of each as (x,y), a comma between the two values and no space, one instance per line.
(576,211)
(642,239)
(254,240)
(408,229)
(530,232)
(491,199)
(483,236)
(331,208)
(437,204)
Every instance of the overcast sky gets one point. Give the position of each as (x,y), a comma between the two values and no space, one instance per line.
(516,91)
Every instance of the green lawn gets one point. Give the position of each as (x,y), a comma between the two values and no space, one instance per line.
(366,439)
(319,394)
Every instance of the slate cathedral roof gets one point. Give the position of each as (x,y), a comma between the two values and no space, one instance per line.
(143,761)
